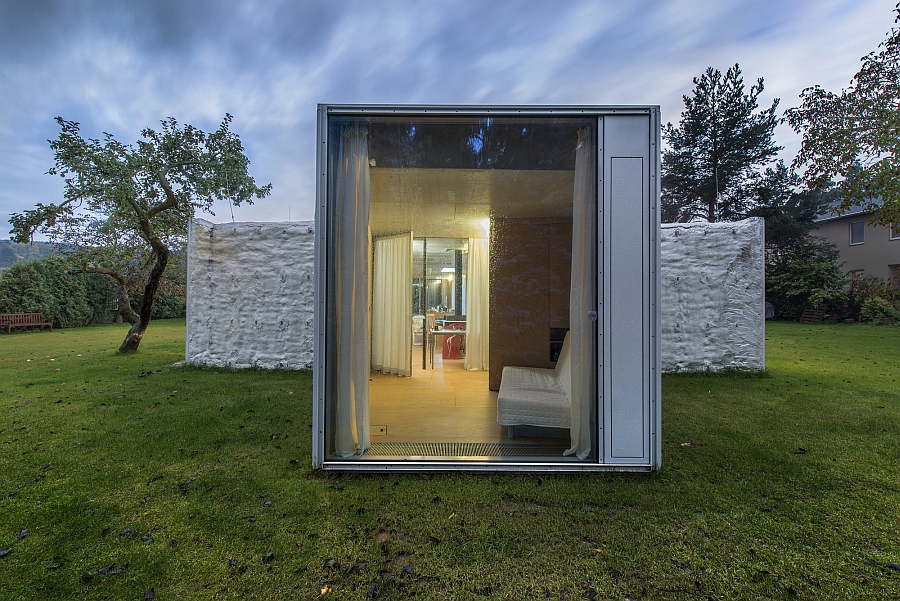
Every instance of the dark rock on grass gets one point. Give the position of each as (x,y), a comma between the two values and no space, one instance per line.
(149,594)
(22,534)
(268,557)
(893,566)
(5,552)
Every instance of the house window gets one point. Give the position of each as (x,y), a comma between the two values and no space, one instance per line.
(857,232)
(461,249)
(895,233)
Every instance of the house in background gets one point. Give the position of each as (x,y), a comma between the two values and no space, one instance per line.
(866,249)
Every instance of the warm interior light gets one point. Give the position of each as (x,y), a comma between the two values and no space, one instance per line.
(448,270)
(485,225)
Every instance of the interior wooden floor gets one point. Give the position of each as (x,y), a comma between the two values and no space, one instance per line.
(444,404)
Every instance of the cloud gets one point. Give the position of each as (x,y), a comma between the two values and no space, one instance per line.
(120,66)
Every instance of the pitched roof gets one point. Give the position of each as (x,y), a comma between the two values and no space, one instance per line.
(831,210)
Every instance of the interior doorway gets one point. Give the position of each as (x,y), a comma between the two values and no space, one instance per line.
(440,267)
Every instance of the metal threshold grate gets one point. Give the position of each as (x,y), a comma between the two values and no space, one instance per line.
(468,450)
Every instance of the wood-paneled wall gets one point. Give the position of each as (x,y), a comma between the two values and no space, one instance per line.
(530,271)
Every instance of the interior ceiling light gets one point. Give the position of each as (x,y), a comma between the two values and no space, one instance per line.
(448,270)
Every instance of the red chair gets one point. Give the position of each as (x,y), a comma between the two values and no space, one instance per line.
(452,344)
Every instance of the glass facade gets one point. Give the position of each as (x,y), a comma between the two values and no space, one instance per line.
(459,313)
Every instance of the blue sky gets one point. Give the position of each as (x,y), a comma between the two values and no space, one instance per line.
(121,66)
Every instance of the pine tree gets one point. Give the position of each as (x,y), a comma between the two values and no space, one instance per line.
(715,152)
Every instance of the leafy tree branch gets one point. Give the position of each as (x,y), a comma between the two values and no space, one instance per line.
(854,136)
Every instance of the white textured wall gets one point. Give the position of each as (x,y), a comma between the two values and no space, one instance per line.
(712,289)
(250,295)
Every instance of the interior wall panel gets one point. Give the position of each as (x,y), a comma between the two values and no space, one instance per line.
(530,272)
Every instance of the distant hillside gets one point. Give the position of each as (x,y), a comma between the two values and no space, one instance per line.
(10,252)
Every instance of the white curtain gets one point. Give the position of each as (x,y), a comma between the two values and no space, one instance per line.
(477,303)
(581,294)
(352,255)
(392,305)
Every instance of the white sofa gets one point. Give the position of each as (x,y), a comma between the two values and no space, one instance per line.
(530,396)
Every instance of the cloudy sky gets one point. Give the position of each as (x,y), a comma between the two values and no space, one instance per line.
(120,66)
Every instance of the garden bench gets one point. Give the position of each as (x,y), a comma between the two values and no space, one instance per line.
(25,320)
(812,315)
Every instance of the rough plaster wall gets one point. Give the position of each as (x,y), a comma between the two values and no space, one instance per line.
(712,289)
(250,294)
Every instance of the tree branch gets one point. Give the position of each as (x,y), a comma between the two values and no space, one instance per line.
(171,199)
(113,274)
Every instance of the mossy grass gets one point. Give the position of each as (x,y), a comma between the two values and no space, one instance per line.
(782,485)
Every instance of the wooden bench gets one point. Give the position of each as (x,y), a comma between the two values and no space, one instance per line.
(24,320)
(812,315)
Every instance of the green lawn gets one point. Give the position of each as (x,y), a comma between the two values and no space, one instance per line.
(185,479)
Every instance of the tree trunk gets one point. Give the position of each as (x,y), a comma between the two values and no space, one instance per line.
(136,333)
(125,309)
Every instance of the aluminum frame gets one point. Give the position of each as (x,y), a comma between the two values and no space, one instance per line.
(650,339)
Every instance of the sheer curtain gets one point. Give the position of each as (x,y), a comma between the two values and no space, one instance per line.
(352,255)
(392,305)
(581,295)
(477,303)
